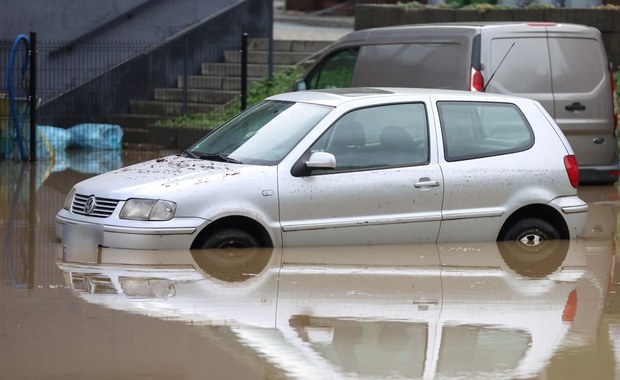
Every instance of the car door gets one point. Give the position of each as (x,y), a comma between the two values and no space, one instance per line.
(386,186)
(488,169)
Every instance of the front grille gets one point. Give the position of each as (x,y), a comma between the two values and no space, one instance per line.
(103,207)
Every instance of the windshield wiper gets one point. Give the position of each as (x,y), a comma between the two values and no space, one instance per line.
(218,157)
(189,153)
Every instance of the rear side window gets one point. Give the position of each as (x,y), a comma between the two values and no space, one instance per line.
(428,65)
(578,64)
(479,129)
(335,71)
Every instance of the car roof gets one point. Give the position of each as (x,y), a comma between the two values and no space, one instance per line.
(337,96)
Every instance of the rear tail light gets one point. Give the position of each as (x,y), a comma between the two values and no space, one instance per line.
(570,163)
(570,309)
(614,98)
(477,80)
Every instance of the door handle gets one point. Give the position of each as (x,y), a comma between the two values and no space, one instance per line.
(425,182)
(575,107)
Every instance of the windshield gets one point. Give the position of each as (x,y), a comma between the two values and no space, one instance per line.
(262,135)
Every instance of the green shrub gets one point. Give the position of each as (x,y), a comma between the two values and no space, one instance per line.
(282,81)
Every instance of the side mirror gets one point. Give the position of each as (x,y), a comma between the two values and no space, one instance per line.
(321,160)
(300,85)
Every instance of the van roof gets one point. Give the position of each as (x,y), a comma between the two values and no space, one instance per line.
(457,29)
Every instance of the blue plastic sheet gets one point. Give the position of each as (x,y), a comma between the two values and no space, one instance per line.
(99,136)
(53,141)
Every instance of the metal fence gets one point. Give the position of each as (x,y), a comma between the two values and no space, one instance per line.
(122,83)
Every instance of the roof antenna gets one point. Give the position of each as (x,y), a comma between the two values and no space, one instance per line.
(498,66)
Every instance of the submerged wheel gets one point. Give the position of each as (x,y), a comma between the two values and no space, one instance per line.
(230,238)
(531,232)
(532,247)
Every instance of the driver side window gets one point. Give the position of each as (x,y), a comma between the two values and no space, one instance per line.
(385,136)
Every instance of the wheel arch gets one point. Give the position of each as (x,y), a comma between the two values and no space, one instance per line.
(247,224)
(541,211)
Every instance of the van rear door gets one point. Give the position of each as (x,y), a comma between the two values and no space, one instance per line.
(516,62)
(582,92)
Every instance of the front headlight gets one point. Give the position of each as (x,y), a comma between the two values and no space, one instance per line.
(148,209)
(69,199)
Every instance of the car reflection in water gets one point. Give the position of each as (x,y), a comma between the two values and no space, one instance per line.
(417,311)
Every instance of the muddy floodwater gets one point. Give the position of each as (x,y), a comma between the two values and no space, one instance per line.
(447,311)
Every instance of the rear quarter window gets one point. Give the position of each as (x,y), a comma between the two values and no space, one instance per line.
(424,64)
(480,129)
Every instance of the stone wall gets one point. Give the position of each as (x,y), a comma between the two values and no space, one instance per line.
(607,21)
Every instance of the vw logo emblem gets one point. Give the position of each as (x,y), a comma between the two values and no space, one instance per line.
(90,204)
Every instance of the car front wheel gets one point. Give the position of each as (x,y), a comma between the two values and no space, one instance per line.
(230,238)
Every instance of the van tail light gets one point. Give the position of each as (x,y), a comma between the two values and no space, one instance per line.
(570,309)
(570,163)
(614,97)
(477,80)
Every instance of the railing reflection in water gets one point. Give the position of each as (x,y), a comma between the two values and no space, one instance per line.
(30,196)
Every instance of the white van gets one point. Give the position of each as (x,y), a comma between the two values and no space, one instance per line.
(563,66)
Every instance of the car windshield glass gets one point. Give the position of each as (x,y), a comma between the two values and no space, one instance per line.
(262,135)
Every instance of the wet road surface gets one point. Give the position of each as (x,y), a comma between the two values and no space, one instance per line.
(475,310)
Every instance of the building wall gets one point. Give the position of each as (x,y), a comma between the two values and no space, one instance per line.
(95,56)
(127,20)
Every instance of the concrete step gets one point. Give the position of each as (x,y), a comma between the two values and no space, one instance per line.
(288,45)
(133,121)
(168,108)
(194,95)
(214,82)
(234,69)
(217,84)
(279,58)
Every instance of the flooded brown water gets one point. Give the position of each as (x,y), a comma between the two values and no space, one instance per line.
(446,311)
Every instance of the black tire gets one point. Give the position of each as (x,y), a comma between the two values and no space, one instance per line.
(230,238)
(531,232)
(532,248)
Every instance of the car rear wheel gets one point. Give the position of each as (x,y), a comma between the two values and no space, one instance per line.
(531,232)
(230,238)
(532,247)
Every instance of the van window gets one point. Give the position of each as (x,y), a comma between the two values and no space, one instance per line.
(377,137)
(525,69)
(476,129)
(335,71)
(427,65)
(577,64)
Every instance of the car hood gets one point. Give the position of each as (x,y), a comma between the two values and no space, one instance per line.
(156,178)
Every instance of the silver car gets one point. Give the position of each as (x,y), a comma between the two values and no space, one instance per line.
(345,166)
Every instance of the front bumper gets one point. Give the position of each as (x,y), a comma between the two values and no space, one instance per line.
(178,233)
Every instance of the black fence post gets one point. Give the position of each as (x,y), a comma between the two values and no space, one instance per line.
(33,96)
(244,71)
(270,51)
(185,79)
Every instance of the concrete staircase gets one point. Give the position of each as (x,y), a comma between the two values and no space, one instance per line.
(216,84)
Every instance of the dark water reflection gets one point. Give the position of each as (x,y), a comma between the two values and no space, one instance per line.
(475,310)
